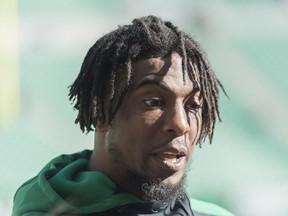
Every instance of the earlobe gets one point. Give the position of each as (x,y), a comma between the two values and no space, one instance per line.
(100,123)
(101,126)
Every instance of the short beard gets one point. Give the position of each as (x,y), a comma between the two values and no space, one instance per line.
(156,190)
(150,190)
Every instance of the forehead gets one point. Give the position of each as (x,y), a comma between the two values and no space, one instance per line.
(159,65)
(166,69)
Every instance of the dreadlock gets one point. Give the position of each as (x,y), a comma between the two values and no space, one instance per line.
(99,87)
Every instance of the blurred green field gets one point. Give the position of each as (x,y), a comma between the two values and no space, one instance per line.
(244,170)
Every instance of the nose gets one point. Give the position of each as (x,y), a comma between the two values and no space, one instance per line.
(176,121)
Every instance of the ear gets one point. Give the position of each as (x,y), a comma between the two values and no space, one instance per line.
(101,127)
(101,124)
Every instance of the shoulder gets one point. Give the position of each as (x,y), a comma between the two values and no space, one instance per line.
(206,208)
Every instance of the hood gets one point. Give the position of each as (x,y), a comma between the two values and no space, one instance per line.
(64,185)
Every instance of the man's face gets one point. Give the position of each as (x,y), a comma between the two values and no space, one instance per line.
(154,132)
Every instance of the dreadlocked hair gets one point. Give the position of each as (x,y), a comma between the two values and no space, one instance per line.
(106,73)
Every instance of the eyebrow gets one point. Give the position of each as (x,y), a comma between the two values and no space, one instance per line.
(160,84)
(147,82)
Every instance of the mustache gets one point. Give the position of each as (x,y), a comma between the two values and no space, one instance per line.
(179,144)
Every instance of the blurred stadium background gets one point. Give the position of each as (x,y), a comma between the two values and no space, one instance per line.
(43,43)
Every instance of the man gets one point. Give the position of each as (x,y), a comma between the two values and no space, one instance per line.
(150,94)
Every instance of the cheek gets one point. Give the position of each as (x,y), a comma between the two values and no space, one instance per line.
(195,127)
(148,119)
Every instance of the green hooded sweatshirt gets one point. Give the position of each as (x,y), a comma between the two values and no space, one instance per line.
(64,185)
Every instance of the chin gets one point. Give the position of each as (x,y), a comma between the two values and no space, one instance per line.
(174,179)
(157,190)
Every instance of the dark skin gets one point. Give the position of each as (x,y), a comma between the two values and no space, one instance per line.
(156,128)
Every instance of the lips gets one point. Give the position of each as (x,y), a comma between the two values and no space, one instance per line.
(171,160)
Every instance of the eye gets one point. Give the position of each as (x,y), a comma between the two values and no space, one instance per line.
(154,103)
(193,106)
